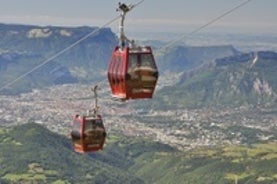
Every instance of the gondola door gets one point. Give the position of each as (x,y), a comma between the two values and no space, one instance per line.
(142,73)
(116,72)
(76,134)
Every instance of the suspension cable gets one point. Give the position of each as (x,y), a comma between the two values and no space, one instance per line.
(113,20)
(57,54)
(200,28)
(205,25)
(64,50)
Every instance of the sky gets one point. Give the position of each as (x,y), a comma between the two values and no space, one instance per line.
(258,16)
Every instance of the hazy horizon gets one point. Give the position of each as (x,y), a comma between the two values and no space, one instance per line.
(150,16)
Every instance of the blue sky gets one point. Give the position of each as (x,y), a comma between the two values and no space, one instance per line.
(152,15)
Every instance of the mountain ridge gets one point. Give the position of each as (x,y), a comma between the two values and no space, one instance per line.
(26,47)
(229,81)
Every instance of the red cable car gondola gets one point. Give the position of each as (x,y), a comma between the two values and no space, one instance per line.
(88,132)
(132,71)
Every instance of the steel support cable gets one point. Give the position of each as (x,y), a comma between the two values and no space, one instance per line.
(201,27)
(138,3)
(164,48)
(63,51)
(205,25)
(58,54)
(108,23)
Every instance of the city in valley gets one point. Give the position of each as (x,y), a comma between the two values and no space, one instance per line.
(182,128)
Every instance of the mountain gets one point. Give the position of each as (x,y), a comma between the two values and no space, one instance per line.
(25,47)
(30,153)
(179,58)
(247,79)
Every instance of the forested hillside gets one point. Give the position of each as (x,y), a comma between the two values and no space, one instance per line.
(40,156)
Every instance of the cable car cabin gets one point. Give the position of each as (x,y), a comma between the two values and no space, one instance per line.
(88,134)
(132,73)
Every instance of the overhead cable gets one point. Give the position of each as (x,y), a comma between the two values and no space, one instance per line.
(205,25)
(63,51)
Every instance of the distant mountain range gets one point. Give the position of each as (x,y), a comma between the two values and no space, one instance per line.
(211,75)
(30,153)
(24,47)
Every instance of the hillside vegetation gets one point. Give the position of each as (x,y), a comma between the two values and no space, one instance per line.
(31,153)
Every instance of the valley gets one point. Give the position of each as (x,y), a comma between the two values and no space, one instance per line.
(182,128)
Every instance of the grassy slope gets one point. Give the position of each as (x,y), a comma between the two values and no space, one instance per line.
(31,152)
(255,164)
